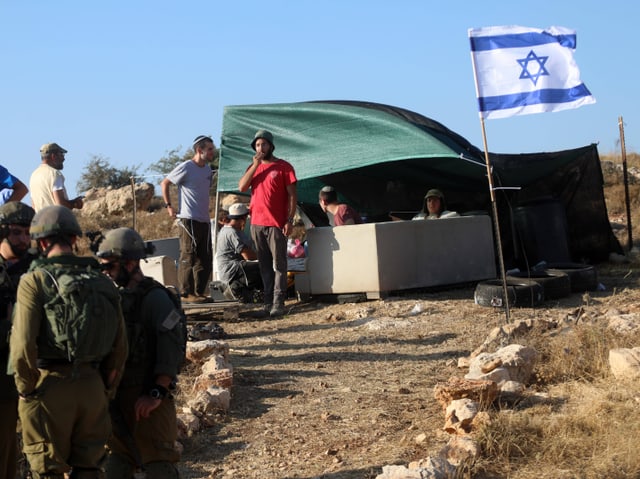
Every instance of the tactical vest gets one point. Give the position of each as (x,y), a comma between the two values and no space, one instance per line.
(9,278)
(142,337)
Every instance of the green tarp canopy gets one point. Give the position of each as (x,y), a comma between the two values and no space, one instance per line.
(382,158)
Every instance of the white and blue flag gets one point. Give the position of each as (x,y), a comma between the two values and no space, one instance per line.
(521,70)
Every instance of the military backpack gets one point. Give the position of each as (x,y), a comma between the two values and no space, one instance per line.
(82,311)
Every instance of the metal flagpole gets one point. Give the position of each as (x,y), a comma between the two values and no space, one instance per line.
(626,182)
(495,221)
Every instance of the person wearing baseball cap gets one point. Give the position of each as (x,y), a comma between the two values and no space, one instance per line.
(47,181)
(434,207)
(236,258)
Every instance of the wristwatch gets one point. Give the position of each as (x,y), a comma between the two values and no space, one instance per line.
(166,205)
(158,392)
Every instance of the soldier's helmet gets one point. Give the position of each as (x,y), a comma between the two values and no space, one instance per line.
(123,243)
(16,213)
(54,220)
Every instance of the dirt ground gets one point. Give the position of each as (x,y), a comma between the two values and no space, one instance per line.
(337,391)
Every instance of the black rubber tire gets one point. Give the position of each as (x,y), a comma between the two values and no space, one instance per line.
(556,284)
(583,277)
(523,293)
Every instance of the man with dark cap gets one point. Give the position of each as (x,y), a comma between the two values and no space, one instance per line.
(193,178)
(47,181)
(273,207)
(15,218)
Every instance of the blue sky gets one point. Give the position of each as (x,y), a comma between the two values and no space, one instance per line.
(132,80)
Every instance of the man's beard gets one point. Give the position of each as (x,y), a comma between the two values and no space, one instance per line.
(18,251)
(123,277)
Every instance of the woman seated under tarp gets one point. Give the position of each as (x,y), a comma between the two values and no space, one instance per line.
(434,207)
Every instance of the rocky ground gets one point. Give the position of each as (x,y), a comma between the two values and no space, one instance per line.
(337,391)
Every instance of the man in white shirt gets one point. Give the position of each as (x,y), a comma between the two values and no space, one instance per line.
(47,181)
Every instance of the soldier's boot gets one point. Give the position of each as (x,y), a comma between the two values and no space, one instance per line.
(161,470)
(51,475)
(118,466)
(86,473)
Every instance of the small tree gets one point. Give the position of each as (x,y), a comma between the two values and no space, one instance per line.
(99,173)
(168,162)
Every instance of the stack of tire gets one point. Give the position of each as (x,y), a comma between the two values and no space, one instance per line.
(530,288)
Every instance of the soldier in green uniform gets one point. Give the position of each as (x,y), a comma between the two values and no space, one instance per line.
(15,218)
(143,412)
(67,350)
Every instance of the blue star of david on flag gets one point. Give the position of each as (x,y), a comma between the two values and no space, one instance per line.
(522,70)
(541,70)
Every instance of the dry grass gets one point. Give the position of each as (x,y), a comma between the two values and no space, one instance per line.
(576,420)
(584,430)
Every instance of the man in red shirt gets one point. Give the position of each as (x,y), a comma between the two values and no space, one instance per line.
(273,206)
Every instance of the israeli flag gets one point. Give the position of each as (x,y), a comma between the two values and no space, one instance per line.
(521,70)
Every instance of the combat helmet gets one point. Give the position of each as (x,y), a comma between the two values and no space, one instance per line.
(265,135)
(54,220)
(16,213)
(123,243)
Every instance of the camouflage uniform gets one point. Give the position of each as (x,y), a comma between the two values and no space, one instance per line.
(11,269)
(63,407)
(156,346)
(9,277)
(156,331)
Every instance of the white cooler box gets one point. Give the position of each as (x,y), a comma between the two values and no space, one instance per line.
(161,268)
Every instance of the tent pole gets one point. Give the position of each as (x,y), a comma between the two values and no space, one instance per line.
(627,202)
(495,221)
(214,237)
